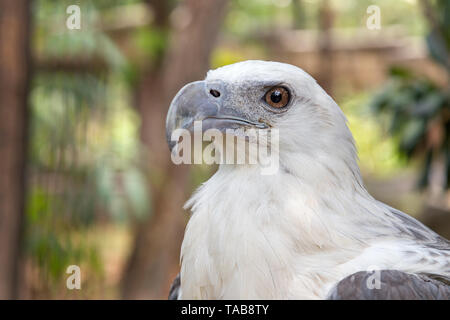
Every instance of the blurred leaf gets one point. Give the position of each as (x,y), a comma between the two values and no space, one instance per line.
(429,105)
(438,48)
(152,41)
(400,72)
(136,191)
(411,103)
(413,133)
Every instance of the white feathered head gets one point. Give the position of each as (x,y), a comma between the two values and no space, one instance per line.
(313,135)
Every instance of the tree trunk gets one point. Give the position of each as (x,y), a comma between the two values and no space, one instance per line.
(14,75)
(156,249)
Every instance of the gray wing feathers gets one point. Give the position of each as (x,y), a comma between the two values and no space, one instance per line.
(394,285)
(175,288)
(418,231)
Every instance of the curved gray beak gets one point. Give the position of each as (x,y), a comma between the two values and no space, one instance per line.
(196,102)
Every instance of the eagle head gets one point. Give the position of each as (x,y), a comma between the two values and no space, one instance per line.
(267,95)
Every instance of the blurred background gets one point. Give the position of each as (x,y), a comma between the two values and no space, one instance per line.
(85,173)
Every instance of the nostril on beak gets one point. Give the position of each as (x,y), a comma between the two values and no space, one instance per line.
(214,93)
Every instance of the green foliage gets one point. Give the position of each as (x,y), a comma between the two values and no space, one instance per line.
(151,44)
(49,239)
(353,14)
(377,152)
(249,17)
(419,109)
(151,41)
(83,143)
(413,104)
(438,40)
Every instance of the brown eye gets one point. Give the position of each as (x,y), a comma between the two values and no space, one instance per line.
(277,97)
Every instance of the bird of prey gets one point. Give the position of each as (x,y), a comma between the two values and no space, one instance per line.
(310,230)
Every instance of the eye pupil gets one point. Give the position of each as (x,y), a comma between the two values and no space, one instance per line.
(276,96)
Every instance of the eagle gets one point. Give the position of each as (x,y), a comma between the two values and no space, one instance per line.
(310,230)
